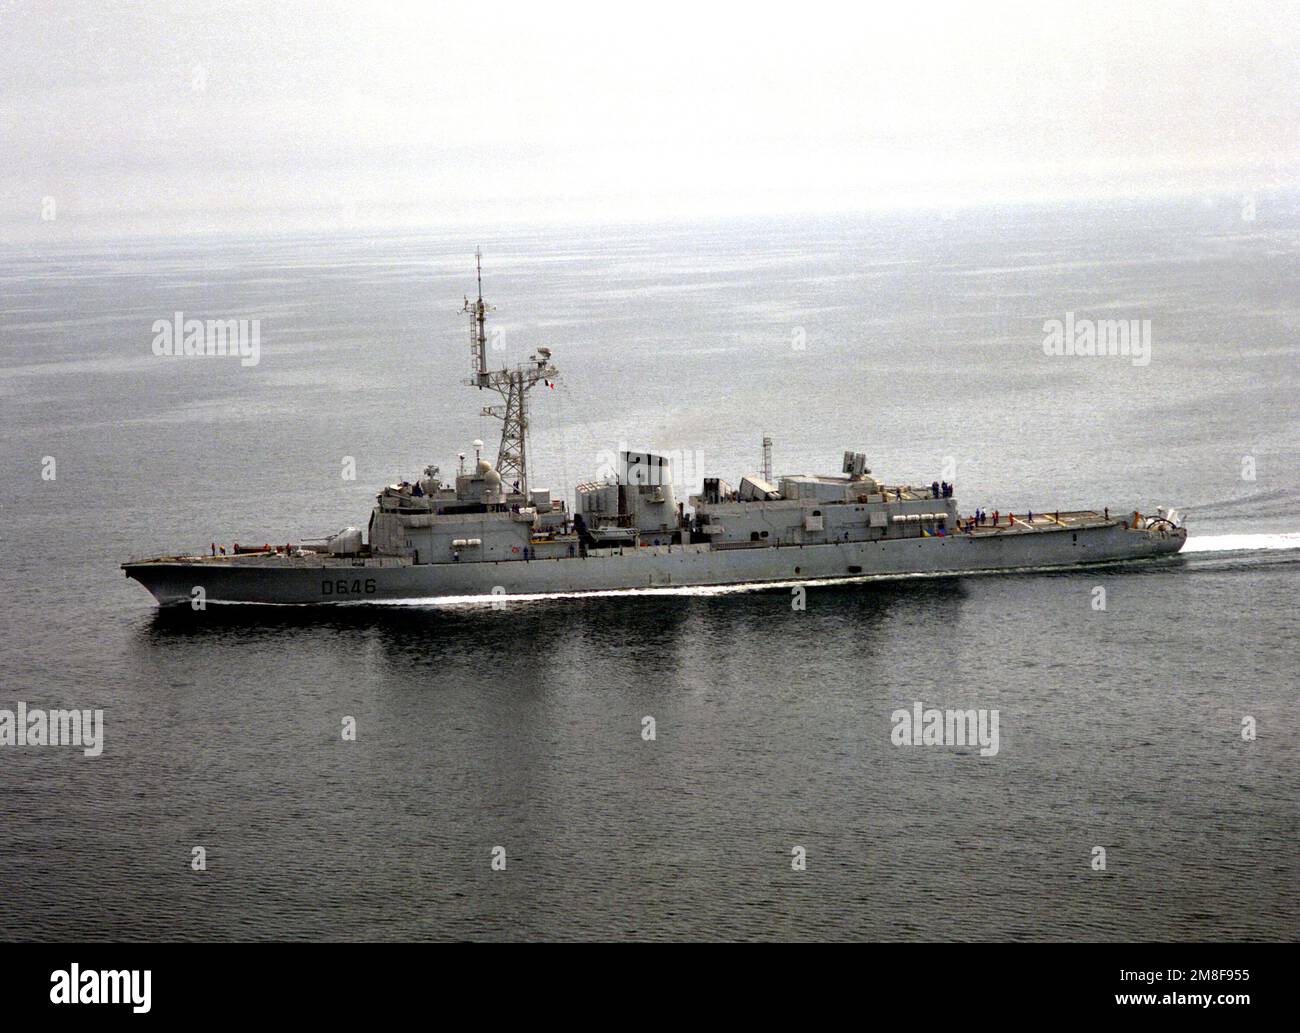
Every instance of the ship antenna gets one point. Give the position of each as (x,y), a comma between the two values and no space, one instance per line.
(478,326)
(512,385)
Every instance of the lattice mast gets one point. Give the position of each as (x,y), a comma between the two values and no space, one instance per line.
(512,385)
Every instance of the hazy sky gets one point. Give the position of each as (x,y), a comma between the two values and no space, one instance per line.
(183,115)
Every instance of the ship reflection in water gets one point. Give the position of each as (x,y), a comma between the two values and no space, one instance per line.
(438,633)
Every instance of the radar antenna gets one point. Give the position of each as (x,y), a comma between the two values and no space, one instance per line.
(512,384)
(478,311)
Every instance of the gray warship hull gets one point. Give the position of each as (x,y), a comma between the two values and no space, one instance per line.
(488,533)
(1072,540)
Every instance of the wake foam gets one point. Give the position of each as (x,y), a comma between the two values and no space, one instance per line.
(1241,542)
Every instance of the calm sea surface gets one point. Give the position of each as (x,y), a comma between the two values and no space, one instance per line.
(916,339)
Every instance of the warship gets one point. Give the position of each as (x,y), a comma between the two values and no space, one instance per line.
(489,532)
